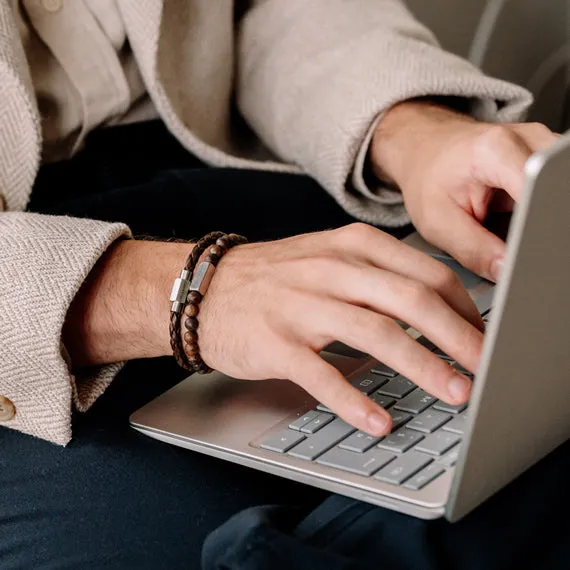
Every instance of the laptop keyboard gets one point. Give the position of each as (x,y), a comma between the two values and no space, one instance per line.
(424,442)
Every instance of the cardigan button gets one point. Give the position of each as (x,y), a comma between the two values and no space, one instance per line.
(7,409)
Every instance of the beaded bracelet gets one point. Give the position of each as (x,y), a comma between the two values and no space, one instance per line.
(180,292)
(188,291)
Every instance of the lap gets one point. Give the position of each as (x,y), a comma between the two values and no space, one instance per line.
(117,499)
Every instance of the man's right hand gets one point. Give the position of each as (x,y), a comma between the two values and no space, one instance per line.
(453,172)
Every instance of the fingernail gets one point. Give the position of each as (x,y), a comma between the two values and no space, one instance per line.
(377,422)
(459,388)
(497,268)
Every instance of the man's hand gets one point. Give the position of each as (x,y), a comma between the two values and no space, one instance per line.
(453,171)
(272,307)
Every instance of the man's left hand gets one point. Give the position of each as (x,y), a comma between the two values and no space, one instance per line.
(453,171)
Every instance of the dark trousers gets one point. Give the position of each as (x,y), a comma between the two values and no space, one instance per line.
(117,499)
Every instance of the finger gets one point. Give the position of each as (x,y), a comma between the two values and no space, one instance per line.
(500,156)
(415,304)
(465,239)
(327,385)
(386,252)
(537,136)
(381,337)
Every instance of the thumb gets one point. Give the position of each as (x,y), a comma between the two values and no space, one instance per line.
(467,241)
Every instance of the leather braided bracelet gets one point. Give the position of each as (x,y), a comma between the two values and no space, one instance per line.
(187,292)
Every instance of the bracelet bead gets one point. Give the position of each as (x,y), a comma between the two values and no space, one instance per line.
(190,336)
(194,297)
(217,250)
(191,323)
(191,310)
(223,242)
(191,351)
(213,258)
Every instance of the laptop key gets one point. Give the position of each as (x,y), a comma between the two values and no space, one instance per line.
(323,408)
(449,408)
(365,463)
(383,401)
(282,441)
(425,476)
(450,459)
(398,418)
(369,384)
(383,370)
(397,387)
(359,442)
(433,348)
(403,468)
(462,370)
(304,419)
(401,440)
(319,422)
(426,343)
(416,401)
(457,424)
(438,443)
(323,440)
(429,421)
(438,352)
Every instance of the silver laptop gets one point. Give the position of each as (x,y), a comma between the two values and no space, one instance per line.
(439,460)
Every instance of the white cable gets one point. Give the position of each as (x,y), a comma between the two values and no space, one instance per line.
(485,29)
(548,69)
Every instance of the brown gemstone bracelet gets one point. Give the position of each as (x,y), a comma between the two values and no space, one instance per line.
(187,293)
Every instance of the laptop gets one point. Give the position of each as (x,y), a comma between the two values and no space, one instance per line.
(439,460)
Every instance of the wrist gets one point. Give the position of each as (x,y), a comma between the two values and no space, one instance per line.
(409,131)
(121,311)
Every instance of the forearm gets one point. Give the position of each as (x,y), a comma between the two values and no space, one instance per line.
(122,310)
